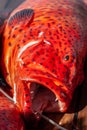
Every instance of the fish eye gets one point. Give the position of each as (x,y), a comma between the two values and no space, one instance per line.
(66,58)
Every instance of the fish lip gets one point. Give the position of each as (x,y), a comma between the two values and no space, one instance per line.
(34,72)
(63,104)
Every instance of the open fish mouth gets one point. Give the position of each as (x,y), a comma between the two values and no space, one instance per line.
(44,99)
(45,92)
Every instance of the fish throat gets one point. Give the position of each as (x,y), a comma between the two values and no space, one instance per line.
(43,99)
(39,98)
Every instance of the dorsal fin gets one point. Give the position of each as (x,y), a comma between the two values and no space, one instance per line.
(19,17)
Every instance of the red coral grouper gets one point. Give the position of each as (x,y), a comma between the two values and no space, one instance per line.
(44,48)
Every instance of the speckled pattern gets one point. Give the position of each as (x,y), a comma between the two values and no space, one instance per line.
(45,44)
(8,121)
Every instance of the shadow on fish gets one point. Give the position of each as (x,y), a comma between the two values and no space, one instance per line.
(43,54)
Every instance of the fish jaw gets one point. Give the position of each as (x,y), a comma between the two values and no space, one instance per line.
(59,91)
(38,93)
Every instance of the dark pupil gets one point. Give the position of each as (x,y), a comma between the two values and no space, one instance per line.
(67,57)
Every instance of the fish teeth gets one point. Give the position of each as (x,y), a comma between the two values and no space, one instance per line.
(32,95)
(56,100)
(32,92)
(61,105)
(15,94)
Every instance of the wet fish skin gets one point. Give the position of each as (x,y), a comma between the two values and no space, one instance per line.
(45,43)
(10,117)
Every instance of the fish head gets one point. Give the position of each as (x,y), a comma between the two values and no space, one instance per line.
(46,64)
(49,60)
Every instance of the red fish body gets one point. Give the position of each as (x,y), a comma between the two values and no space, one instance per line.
(44,49)
(10,118)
